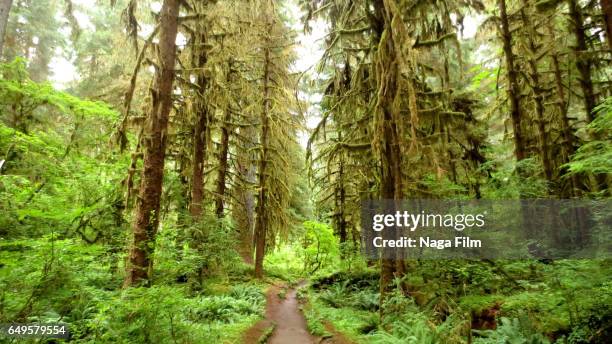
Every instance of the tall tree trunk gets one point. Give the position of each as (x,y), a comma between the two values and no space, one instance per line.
(261,221)
(513,86)
(538,94)
(39,63)
(606,8)
(183,201)
(201,135)
(342,200)
(568,138)
(147,209)
(5,9)
(390,154)
(584,66)
(199,158)
(200,142)
(223,165)
(583,61)
(244,210)
(223,155)
(566,128)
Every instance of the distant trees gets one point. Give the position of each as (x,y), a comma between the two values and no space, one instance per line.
(5,8)
(540,106)
(32,33)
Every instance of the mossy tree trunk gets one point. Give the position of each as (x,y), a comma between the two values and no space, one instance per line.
(244,208)
(261,221)
(390,134)
(514,92)
(200,137)
(538,92)
(223,154)
(581,57)
(146,219)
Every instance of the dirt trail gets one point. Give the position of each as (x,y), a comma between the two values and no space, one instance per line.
(285,314)
(290,323)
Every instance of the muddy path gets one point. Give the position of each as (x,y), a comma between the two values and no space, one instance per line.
(286,319)
(285,323)
(290,322)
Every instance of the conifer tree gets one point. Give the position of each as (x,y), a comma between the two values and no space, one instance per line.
(146,220)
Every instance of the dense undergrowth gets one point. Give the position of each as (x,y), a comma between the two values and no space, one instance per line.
(567,301)
(68,282)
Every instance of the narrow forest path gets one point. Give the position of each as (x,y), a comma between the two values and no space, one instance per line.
(291,325)
(286,317)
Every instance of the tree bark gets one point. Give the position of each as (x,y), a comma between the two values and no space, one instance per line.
(538,95)
(261,221)
(566,127)
(342,199)
(223,164)
(390,155)
(200,141)
(223,154)
(583,61)
(244,210)
(200,134)
(513,86)
(5,9)
(584,66)
(147,210)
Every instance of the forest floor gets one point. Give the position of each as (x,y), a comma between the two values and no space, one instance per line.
(285,323)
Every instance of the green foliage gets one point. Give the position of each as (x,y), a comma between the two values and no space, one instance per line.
(20,97)
(349,321)
(567,299)
(76,283)
(184,249)
(443,187)
(595,156)
(511,331)
(50,283)
(78,195)
(345,295)
(404,322)
(173,316)
(511,179)
(483,79)
(284,263)
(54,177)
(314,321)
(227,309)
(320,246)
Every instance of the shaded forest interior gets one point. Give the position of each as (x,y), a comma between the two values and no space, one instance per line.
(165,164)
